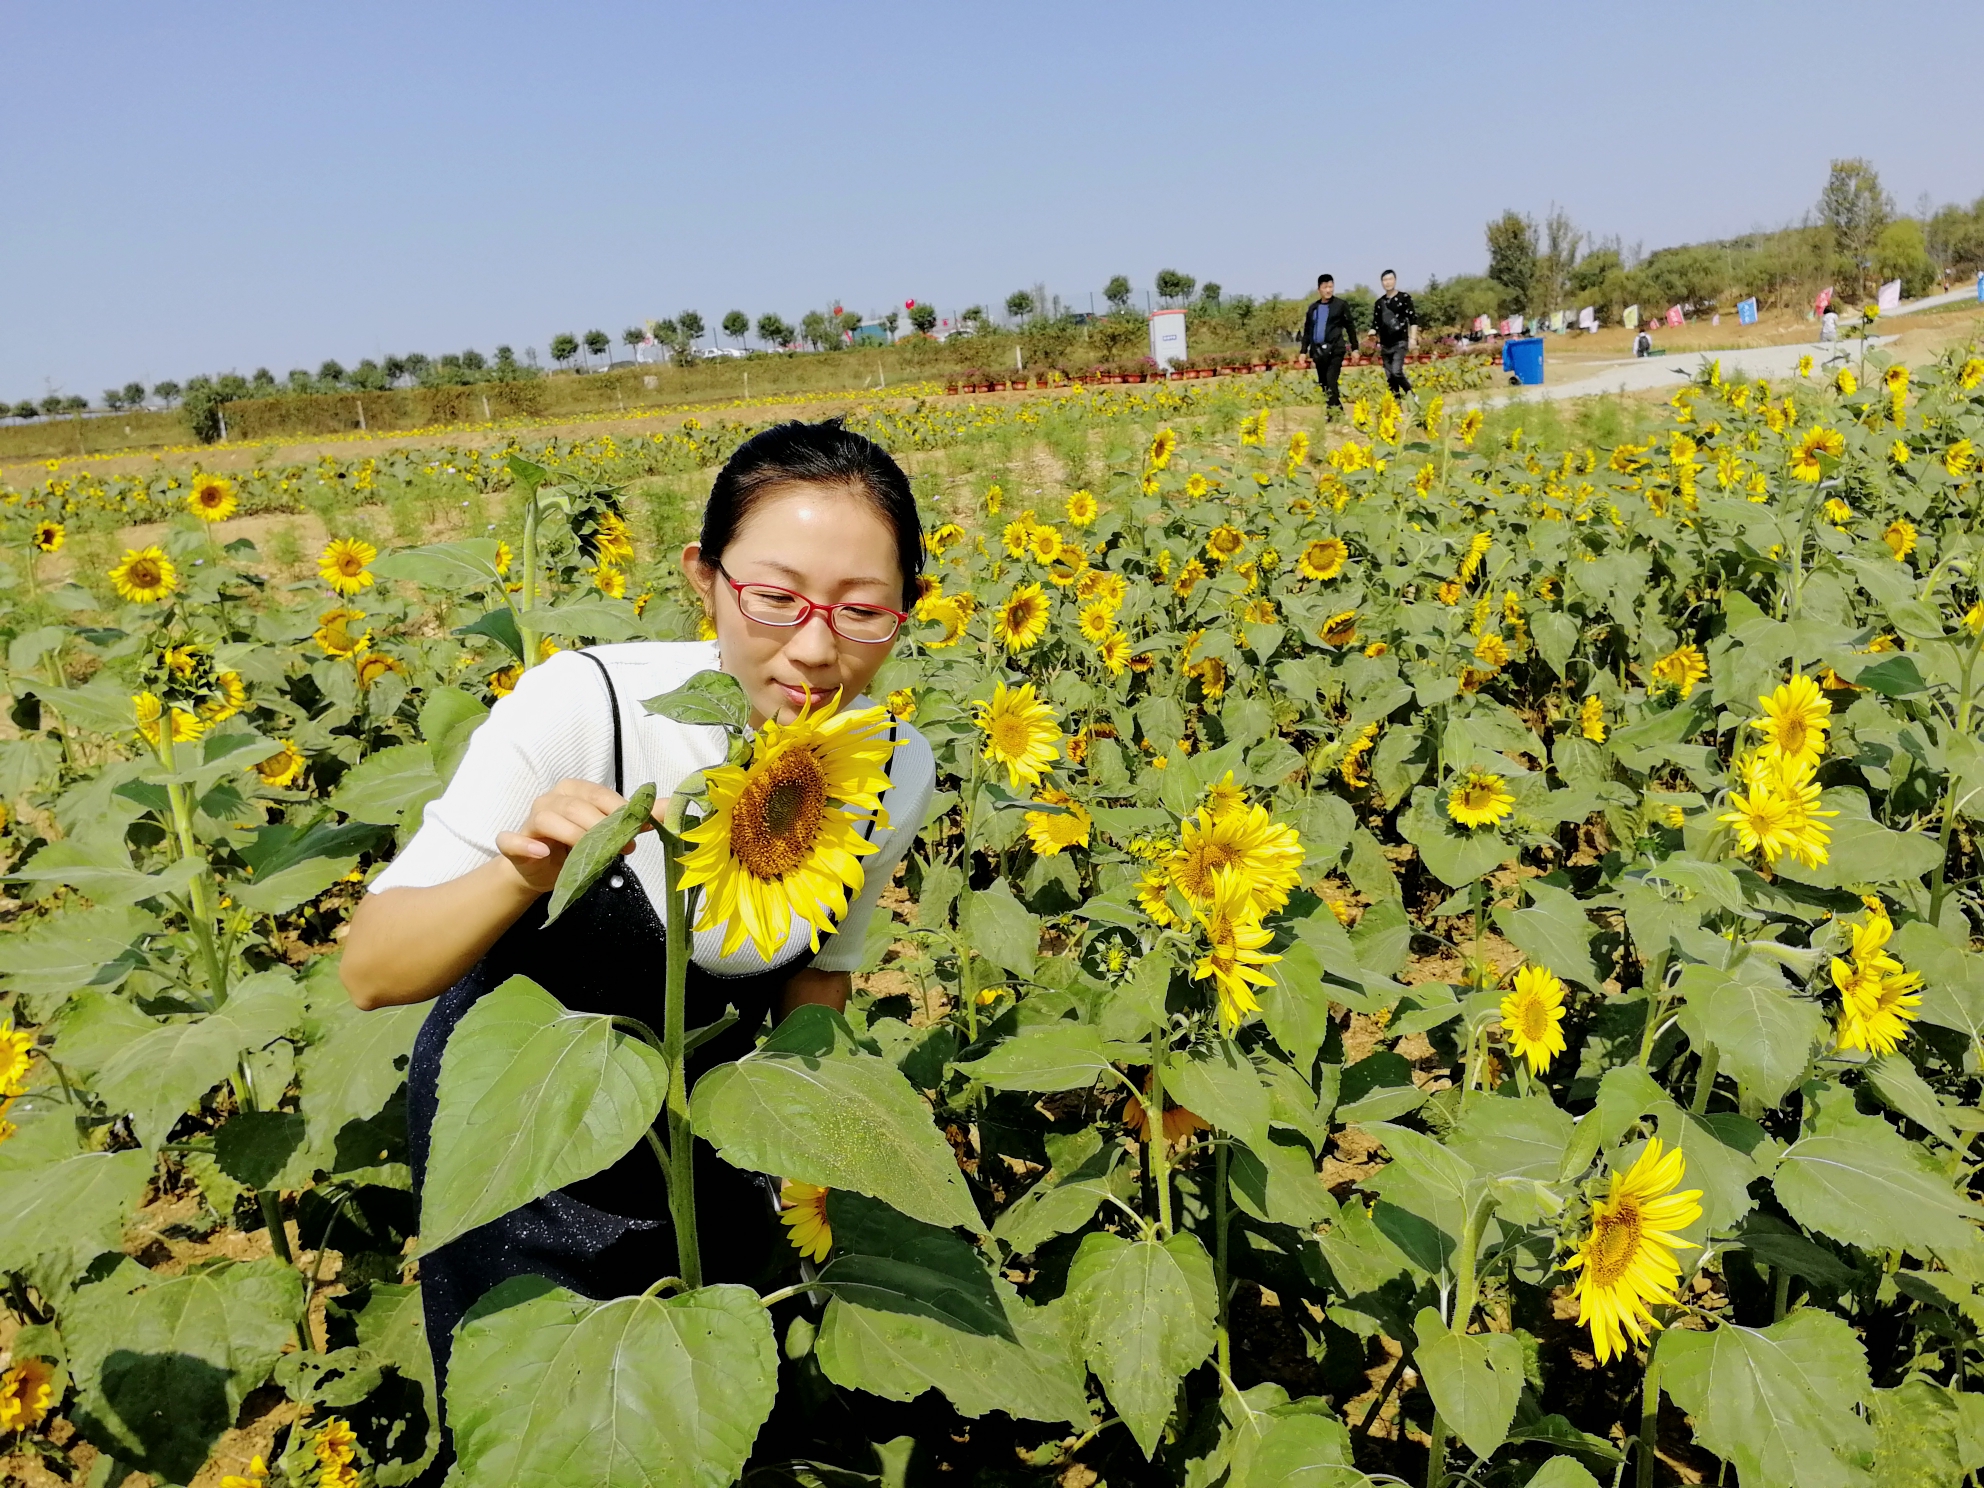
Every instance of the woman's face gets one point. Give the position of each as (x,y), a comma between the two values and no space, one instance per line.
(820,541)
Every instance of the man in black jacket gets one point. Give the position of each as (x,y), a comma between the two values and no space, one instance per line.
(1328,332)
(1397,324)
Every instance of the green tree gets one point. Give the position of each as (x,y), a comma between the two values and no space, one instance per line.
(598,343)
(850,321)
(1854,208)
(923,318)
(1019,304)
(1900,252)
(1954,237)
(1209,293)
(332,372)
(736,325)
(974,317)
(633,336)
(892,320)
(1512,260)
(690,324)
(773,331)
(1173,286)
(25,410)
(1117,292)
(165,392)
(815,329)
(564,346)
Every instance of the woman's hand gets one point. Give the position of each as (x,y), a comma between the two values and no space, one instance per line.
(536,851)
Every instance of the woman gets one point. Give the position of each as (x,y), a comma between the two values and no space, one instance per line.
(806,565)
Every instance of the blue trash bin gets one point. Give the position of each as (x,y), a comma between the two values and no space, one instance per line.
(1523,357)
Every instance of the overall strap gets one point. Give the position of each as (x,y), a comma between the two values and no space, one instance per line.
(613,702)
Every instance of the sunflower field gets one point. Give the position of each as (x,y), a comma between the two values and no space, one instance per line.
(1444,954)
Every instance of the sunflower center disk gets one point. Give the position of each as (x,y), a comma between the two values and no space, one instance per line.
(1535,1022)
(1618,1241)
(778,816)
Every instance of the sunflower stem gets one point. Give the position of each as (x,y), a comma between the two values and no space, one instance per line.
(525,633)
(1436,1453)
(1219,1218)
(201,891)
(1649,1418)
(1938,884)
(681,1141)
(1705,1079)
(1160,1155)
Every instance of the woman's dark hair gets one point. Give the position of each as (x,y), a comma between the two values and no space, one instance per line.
(815,454)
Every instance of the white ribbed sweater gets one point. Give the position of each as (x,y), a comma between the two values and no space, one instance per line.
(556,726)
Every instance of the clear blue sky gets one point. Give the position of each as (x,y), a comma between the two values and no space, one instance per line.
(213,187)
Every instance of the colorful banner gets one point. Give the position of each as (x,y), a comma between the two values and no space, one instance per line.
(1890,295)
(1631,318)
(1824,299)
(1746,311)
(1483,325)
(1588,318)
(1674,316)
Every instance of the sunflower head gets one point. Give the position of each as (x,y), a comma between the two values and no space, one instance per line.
(27,1392)
(344,564)
(1479,799)
(48,537)
(1051,831)
(1021,733)
(1082,508)
(283,768)
(1021,621)
(1533,1016)
(144,575)
(211,498)
(1340,629)
(803,1209)
(1625,1263)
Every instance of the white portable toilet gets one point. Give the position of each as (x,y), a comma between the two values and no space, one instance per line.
(1167,337)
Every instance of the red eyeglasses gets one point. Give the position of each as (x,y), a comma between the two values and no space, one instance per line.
(768,604)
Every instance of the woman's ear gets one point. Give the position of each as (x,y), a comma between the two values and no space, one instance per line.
(701,579)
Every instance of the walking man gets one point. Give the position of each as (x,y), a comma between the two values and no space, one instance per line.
(1328,332)
(1397,325)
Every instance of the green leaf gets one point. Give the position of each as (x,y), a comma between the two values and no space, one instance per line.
(1000,929)
(1048,1209)
(67,1213)
(162,1366)
(710,698)
(253,1147)
(550,1390)
(1148,1316)
(599,849)
(1562,1472)
(500,625)
(1521,1139)
(838,1120)
(449,718)
(1297,1006)
(1862,851)
(1037,1376)
(1475,1380)
(78,948)
(1952,978)
(1778,1402)
(1901,1089)
(1556,633)
(102,873)
(1765,1035)
(1452,853)
(596,619)
(384,786)
(887,1262)
(1045,1057)
(1296,1448)
(160,1074)
(1553,932)
(469,564)
(1926,1435)
(532,1097)
(392,1327)
(1277,1183)
(283,890)
(1223,1088)
(1870,1186)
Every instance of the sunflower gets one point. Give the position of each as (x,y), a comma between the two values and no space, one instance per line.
(1161,446)
(26,1392)
(1154,899)
(503,683)
(343,564)
(1323,559)
(1189,578)
(609,580)
(995,497)
(375,664)
(1114,650)
(1044,542)
(1340,629)
(1298,451)
(1021,733)
(1533,1017)
(1681,669)
(1234,952)
(1591,719)
(1098,622)
(504,557)
(212,498)
(144,575)
(1103,587)
(1900,538)
(1479,799)
(1878,995)
(233,698)
(283,768)
(1261,612)
(1971,373)
(1265,854)
(1224,542)
(951,615)
(1846,382)
(774,844)
(16,1052)
(1491,651)
(148,709)
(902,704)
(48,537)
(1817,445)
(1778,812)
(1050,831)
(1477,550)
(258,1474)
(804,1213)
(1796,717)
(1212,677)
(1082,507)
(1196,485)
(945,536)
(1224,796)
(1627,1260)
(1021,621)
(1179,1123)
(1254,428)
(1351,767)
(1470,425)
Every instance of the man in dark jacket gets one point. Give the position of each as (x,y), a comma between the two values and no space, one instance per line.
(1328,332)
(1397,324)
